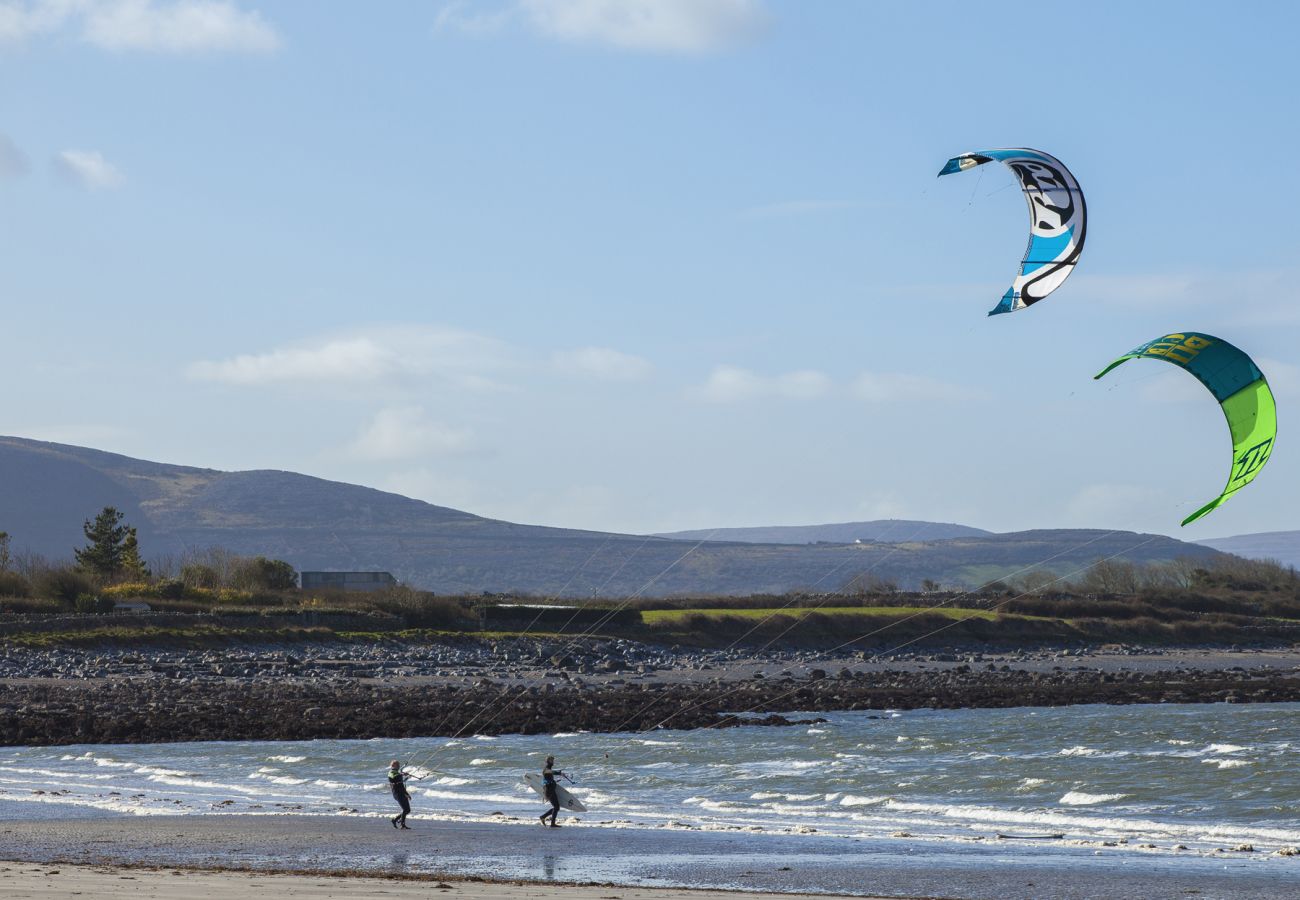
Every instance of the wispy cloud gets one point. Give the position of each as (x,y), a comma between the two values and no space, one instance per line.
(161,26)
(20,21)
(602,362)
(730,384)
(13,162)
(366,356)
(671,26)
(89,169)
(897,387)
(407,432)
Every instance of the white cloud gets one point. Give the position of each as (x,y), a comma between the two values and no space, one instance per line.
(20,21)
(89,169)
(729,384)
(602,362)
(13,162)
(371,355)
(674,26)
(887,387)
(185,26)
(407,432)
(166,26)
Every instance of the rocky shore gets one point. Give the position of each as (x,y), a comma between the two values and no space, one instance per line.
(534,686)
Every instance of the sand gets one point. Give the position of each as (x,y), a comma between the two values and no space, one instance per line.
(20,882)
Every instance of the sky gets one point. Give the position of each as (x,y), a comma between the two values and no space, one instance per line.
(645,265)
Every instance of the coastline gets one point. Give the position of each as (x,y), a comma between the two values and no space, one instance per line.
(499,855)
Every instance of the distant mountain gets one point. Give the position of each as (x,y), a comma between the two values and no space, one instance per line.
(885,530)
(1283,546)
(48,490)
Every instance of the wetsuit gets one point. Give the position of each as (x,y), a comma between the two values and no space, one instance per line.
(397,783)
(552,794)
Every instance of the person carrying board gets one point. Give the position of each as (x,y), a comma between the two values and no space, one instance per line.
(552,791)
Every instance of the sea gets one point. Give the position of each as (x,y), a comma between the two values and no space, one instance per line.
(1164,779)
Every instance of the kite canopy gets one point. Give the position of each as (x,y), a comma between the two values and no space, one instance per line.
(1236,382)
(1058,221)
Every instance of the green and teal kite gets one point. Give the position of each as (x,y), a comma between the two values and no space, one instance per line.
(1238,385)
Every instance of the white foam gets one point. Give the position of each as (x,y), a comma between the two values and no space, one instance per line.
(1228,763)
(478,761)
(1080,798)
(856,800)
(287,759)
(1224,748)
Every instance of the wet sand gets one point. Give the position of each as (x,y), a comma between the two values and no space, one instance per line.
(616,860)
(26,882)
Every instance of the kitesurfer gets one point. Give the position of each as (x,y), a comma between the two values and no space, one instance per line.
(397,784)
(552,791)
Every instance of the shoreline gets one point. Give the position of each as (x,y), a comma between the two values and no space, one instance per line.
(60,879)
(418,701)
(509,860)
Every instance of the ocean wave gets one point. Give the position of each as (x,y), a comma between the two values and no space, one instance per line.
(1224,748)
(479,761)
(1080,798)
(1228,763)
(287,759)
(855,800)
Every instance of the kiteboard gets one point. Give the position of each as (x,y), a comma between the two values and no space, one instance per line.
(567,800)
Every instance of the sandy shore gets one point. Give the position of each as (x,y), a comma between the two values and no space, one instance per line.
(28,882)
(616,863)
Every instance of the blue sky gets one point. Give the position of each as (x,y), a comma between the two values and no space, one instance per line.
(638,265)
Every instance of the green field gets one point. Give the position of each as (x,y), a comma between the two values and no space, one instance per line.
(668,617)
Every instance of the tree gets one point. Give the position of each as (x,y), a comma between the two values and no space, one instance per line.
(4,552)
(268,574)
(131,565)
(102,555)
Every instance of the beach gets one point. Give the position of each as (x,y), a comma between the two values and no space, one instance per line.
(616,861)
(27,882)
(1160,799)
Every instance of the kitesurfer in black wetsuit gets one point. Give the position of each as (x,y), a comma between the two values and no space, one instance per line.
(397,783)
(552,791)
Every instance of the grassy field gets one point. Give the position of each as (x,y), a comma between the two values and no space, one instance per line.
(669,617)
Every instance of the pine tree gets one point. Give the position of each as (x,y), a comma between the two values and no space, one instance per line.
(102,556)
(131,565)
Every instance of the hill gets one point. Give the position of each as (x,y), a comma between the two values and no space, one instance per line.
(48,490)
(1283,546)
(881,530)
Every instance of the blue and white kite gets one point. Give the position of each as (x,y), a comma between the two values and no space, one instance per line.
(1058,221)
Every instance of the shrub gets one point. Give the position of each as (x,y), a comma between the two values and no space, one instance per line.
(199,575)
(91,603)
(32,605)
(62,584)
(14,585)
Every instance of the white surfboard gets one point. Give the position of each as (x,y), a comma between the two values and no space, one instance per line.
(567,800)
